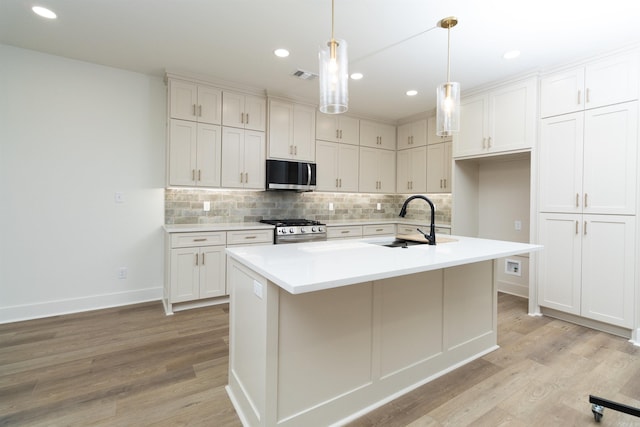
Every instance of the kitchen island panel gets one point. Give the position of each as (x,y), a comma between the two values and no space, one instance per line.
(411,320)
(319,333)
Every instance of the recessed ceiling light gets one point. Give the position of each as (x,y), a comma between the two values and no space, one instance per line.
(356,76)
(281,53)
(512,54)
(44,12)
(412,92)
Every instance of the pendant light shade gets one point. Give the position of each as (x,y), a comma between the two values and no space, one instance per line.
(448,94)
(334,75)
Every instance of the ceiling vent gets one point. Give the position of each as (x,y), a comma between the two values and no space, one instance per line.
(304,75)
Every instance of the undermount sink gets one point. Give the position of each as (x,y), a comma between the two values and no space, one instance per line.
(405,243)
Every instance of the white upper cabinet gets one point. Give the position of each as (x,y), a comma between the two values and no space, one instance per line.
(609,81)
(244,111)
(243,159)
(194,154)
(337,128)
(411,169)
(377,135)
(439,168)
(588,161)
(292,131)
(413,134)
(337,167)
(497,121)
(377,171)
(194,102)
(432,138)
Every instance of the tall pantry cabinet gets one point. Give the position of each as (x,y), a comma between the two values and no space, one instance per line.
(588,191)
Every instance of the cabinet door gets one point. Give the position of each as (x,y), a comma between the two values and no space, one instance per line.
(304,132)
(611,81)
(233,109)
(281,139)
(254,160)
(472,138)
(209,154)
(185,277)
(182,152)
(404,171)
(512,117)
(212,272)
(327,127)
(183,100)
(610,157)
(404,136)
(448,150)
(411,135)
(560,163)
(255,110)
(327,165)
(349,130)
(348,167)
(386,171)
(562,93)
(608,265)
(377,135)
(368,177)
(432,138)
(436,172)
(209,105)
(232,158)
(559,274)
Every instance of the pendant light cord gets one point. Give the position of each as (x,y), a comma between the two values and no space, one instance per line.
(448,54)
(332,19)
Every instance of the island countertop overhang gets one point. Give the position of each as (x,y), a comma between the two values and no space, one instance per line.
(309,267)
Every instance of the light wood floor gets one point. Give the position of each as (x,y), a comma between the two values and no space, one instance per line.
(134,366)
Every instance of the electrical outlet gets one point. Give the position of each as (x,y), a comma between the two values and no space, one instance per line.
(257,289)
(518,225)
(206,206)
(378,206)
(122,273)
(330,206)
(119,197)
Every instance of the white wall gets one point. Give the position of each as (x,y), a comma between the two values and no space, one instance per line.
(71,135)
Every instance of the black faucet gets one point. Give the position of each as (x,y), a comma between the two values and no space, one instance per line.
(431,238)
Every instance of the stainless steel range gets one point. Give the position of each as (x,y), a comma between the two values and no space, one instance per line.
(297,230)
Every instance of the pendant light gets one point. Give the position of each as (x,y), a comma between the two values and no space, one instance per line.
(448,94)
(334,75)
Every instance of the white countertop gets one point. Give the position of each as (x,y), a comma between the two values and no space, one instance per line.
(348,222)
(307,267)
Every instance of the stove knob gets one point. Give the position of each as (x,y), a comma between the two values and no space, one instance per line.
(283,231)
(291,230)
(302,230)
(320,230)
(313,229)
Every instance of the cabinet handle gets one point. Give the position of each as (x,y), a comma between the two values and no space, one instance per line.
(250,237)
(576,227)
(193,174)
(202,259)
(242,118)
(194,109)
(489,142)
(337,133)
(246,177)
(204,239)
(585,228)
(241,177)
(587,96)
(200,110)
(579,97)
(336,182)
(196,259)
(199,175)
(247,116)
(295,150)
(344,231)
(340,182)
(484,143)
(445,183)
(585,200)
(577,200)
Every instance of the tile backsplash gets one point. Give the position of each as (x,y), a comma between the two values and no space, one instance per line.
(185,206)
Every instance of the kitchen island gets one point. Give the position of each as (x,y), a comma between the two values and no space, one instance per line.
(321,333)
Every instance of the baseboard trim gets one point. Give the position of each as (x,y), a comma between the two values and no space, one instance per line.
(589,323)
(75,305)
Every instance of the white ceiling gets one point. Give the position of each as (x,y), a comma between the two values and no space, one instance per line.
(234,40)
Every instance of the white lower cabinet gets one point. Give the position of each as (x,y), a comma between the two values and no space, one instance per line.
(587,267)
(197,266)
(344,232)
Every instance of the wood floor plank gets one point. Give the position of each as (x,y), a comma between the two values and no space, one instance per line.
(135,366)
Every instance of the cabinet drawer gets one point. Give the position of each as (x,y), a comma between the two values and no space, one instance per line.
(381,229)
(243,237)
(344,232)
(410,229)
(185,240)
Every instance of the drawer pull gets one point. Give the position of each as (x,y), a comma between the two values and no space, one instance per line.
(379,229)
(344,231)
(203,239)
(250,237)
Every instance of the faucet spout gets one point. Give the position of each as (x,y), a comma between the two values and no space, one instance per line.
(431,237)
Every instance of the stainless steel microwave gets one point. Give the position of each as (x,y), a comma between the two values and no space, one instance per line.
(287,175)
